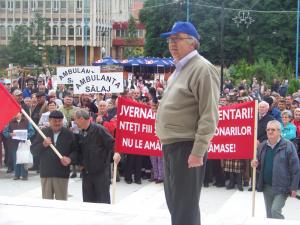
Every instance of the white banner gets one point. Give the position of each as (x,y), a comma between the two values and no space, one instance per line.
(65,75)
(98,83)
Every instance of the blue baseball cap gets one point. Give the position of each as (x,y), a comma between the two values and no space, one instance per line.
(182,27)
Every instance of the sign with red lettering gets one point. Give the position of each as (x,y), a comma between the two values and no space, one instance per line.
(136,129)
(234,137)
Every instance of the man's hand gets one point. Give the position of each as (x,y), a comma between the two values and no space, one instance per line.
(65,160)
(293,194)
(12,134)
(47,142)
(117,158)
(195,161)
(254,163)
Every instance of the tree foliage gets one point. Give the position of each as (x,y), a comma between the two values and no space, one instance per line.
(271,36)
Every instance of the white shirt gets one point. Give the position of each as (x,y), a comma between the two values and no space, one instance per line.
(182,62)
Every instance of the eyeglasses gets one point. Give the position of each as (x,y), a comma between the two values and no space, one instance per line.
(271,129)
(175,40)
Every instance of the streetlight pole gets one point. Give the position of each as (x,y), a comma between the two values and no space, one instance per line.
(187,10)
(297,40)
(85,33)
(222,47)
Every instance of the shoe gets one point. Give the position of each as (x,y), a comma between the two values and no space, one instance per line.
(16,178)
(159,181)
(32,169)
(24,178)
(220,184)
(73,175)
(230,186)
(128,181)
(152,180)
(9,171)
(118,179)
(240,188)
(138,182)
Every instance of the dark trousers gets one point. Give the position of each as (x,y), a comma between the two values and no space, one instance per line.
(182,184)
(133,166)
(95,187)
(214,170)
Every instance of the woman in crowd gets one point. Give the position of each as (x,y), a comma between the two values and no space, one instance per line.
(17,123)
(288,130)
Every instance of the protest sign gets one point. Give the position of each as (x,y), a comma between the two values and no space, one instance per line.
(65,75)
(98,83)
(135,129)
(234,136)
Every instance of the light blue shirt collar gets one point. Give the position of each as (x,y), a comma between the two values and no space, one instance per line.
(182,62)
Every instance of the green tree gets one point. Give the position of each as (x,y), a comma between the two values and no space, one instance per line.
(131,38)
(38,29)
(270,36)
(19,50)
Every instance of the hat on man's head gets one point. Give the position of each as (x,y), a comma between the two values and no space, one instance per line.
(40,94)
(269,100)
(7,81)
(297,100)
(56,115)
(182,27)
(17,92)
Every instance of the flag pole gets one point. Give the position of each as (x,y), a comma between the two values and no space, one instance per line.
(40,132)
(254,158)
(114,183)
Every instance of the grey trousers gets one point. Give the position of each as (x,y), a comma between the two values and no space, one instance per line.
(182,184)
(55,187)
(274,203)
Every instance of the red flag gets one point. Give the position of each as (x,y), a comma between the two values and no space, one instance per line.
(9,107)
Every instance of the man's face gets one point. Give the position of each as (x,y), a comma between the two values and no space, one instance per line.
(30,85)
(79,122)
(56,124)
(281,106)
(68,101)
(179,45)
(41,99)
(28,102)
(52,107)
(102,107)
(273,132)
(136,94)
(19,98)
(297,115)
(263,109)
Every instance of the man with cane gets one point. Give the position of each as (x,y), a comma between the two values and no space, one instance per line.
(279,170)
(54,171)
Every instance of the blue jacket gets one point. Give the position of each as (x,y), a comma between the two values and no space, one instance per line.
(286,168)
(288,132)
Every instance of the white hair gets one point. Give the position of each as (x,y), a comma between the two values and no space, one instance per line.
(264,103)
(276,123)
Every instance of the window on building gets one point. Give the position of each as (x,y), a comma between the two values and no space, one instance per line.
(71,31)
(72,55)
(48,5)
(55,31)
(9,31)
(63,20)
(25,6)
(48,32)
(63,31)
(118,33)
(78,31)
(78,5)
(55,6)
(70,20)
(2,32)
(2,4)
(71,6)
(10,5)
(63,6)
(40,4)
(33,5)
(18,5)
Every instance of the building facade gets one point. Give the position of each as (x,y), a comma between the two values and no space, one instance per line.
(67,21)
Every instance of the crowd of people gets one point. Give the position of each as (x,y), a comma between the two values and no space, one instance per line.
(56,110)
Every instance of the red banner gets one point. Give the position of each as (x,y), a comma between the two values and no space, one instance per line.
(234,137)
(9,107)
(136,129)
